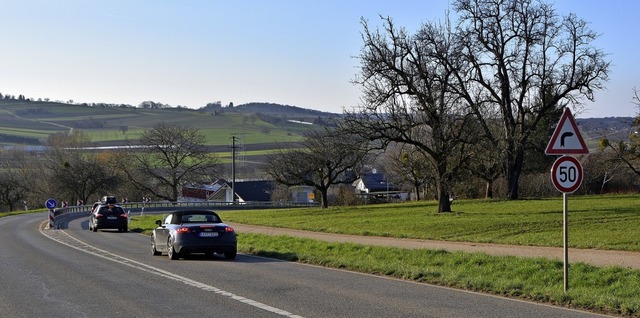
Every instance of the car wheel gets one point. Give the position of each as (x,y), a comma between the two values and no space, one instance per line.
(171,252)
(125,229)
(230,254)
(153,247)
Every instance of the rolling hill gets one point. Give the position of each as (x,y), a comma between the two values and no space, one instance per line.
(24,122)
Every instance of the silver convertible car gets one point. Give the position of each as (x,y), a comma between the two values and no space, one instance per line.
(193,231)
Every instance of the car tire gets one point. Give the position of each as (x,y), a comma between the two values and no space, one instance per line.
(171,252)
(230,254)
(154,250)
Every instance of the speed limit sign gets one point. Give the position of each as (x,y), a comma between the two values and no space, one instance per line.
(566,174)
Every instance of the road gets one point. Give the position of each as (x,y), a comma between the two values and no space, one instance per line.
(72,272)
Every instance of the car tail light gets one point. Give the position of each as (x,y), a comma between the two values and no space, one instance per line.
(228,229)
(124,215)
(182,230)
(99,216)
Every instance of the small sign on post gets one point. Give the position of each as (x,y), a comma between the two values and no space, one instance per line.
(566,172)
(51,204)
(566,138)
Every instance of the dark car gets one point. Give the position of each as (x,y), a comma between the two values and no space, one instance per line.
(193,231)
(109,199)
(109,216)
(94,206)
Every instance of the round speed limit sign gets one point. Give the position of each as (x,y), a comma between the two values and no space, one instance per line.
(566,174)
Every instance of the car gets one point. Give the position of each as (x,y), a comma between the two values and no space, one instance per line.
(108,199)
(181,233)
(109,216)
(94,206)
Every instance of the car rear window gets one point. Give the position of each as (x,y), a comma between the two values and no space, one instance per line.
(115,210)
(200,218)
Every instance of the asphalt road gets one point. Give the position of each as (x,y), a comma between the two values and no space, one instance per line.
(72,272)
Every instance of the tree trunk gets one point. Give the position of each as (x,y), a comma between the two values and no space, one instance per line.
(514,169)
(324,202)
(488,193)
(444,204)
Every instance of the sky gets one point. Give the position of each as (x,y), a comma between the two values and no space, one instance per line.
(292,52)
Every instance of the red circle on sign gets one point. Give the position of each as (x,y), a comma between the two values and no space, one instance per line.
(566,174)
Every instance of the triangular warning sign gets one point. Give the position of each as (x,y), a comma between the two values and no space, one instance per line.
(566,139)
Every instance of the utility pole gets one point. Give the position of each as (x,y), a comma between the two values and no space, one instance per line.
(233,168)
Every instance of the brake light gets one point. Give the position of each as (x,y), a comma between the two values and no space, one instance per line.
(99,216)
(182,230)
(228,229)
(124,215)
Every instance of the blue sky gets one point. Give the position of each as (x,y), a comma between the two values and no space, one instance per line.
(192,52)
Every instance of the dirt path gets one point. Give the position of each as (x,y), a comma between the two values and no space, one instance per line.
(589,256)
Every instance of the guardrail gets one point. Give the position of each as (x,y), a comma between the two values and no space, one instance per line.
(73,211)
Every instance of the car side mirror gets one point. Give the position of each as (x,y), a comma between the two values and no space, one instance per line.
(159,222)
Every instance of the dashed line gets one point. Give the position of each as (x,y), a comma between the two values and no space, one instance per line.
(64,238)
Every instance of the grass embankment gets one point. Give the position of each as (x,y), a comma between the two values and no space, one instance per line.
(606,222)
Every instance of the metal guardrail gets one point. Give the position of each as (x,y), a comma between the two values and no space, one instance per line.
(74,211)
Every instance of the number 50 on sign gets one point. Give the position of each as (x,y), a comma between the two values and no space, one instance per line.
(566,174)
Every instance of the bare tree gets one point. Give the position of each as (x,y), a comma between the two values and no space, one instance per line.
(408,98)
(169,155)
(527,61)
(627,151)
(324,158)
(409,164)
(75,172)
(13,186)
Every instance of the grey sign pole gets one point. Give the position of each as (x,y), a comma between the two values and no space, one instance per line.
(565,240)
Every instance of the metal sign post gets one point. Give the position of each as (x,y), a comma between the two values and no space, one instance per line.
(565,240)
(566,172)
(566,175)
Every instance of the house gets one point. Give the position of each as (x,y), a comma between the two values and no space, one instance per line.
(374,184)
(245,191)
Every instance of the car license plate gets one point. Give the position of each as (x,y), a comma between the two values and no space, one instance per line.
(208,234)
(112,217)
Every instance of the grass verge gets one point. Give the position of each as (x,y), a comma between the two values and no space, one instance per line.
(611,290)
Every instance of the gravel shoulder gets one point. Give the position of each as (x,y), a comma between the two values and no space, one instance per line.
(601,258)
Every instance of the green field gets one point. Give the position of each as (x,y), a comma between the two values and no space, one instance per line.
(602,222)
(605,222)
(35,120)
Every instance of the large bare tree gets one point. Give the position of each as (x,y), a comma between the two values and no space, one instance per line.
(167,157)
(75,172)
(14,187)
(408,97)
(325,157)
(527,62)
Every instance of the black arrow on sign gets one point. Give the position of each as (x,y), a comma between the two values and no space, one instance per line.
(564,136)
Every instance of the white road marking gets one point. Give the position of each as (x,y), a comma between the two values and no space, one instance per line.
(62,237)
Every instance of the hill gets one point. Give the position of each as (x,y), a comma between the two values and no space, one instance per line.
(614,128)
(24,122)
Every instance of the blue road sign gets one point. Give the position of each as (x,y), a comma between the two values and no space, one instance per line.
(51,204)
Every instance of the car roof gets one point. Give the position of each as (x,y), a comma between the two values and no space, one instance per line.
(182,212)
